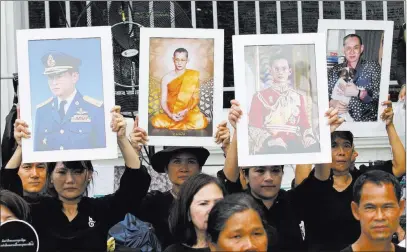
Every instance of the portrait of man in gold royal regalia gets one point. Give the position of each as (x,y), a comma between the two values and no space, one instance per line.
(283,99)
(181,87)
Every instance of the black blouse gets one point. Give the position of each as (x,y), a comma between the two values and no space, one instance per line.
(88,230)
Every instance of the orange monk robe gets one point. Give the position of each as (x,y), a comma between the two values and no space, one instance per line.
(183,92)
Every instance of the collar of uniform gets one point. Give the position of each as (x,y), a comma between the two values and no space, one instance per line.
(68,100)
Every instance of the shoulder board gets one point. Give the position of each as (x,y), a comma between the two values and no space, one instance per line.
(93,101)
(45,102)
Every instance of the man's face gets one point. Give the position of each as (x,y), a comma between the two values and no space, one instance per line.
(352,49)
(180,60)
(181,167)
(33,176)
(265,181)
(342,151)
(378,211)
(280,70)
(62,85)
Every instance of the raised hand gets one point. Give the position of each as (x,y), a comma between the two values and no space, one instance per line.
(138,136)
(234,113)
(223,135)
(21,131)
(333,120)
(388,113)
(118,123)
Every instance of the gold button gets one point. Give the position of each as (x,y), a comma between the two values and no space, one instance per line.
(62,131)
(61,148)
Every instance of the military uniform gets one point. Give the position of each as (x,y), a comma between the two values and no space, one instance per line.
(81,126)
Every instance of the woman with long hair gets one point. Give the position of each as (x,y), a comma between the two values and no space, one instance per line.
(189,213)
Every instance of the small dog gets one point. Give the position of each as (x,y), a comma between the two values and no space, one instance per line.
(345,75)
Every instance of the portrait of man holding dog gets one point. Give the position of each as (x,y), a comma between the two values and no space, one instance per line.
(354,85)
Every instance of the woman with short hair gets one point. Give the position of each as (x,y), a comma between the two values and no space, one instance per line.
(236,223)
(12,207)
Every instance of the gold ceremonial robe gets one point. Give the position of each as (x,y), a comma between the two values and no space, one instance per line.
(183,93)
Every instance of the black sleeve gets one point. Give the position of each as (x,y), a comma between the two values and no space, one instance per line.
(309,190)
(134,185)
(10,180)
(386,166)
(401,58)
(148,209)
(231,187)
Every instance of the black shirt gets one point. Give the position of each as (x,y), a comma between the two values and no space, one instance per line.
(329,222)
(283,215)
(155,209)
(89,229)
(183,248)
(397,249)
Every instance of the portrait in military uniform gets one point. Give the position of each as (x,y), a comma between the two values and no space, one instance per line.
(280,100)
(181,83)
(70,117)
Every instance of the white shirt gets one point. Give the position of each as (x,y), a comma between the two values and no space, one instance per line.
(68,101)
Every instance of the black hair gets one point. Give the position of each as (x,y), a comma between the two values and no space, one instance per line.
(177,152)
(181,50)
(352,35)
(281,53)
(181,226)
(345,135)
(226,208)
(376,177)
(246,171)
(17,205)
(84,165)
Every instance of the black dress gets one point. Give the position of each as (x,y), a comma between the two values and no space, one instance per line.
(88,230)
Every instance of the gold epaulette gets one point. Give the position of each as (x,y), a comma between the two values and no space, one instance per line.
(45,102)
(93,101)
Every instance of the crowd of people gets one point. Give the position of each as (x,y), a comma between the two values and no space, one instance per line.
(331,207)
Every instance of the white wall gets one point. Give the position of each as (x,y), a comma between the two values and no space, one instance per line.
(14,16)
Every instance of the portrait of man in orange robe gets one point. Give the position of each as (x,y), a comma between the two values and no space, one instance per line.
(180,97)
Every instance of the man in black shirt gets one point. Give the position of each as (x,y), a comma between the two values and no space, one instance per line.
(329,222)
(401,61)
(378,206)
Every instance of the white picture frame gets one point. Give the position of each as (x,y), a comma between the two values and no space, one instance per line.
(205,55)
(93,47)
(244,91)
(334,28)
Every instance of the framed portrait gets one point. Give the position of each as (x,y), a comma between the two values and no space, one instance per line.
(66,93)
(181,83)
(358,57)
(280,82)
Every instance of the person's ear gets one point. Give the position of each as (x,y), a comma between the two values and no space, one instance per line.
(355,210)
(402,205)
(362,48)
(89,176)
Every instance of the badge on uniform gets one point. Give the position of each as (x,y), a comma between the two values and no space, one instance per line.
(81,116)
